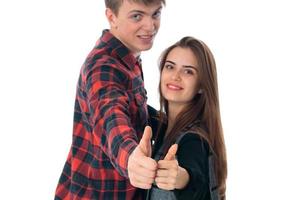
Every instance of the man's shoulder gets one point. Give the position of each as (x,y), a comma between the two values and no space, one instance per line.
(102,58)
(105,67)
(101,54)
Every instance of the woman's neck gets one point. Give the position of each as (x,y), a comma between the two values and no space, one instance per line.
(173,112)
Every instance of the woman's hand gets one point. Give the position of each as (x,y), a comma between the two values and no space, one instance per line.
(170,175)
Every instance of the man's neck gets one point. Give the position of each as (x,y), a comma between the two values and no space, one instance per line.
(135,54)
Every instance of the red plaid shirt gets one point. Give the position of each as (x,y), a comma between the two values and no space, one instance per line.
(109,118)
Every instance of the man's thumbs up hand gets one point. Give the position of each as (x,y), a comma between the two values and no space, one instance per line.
(145,142)
(141,167)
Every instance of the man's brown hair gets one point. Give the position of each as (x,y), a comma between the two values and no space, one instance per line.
(114,5)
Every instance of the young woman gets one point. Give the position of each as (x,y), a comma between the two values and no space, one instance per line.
(195,167)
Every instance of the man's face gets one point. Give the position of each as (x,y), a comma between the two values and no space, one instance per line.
(135,25)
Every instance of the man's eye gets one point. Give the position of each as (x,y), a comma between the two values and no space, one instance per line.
(136,17)
(156,14)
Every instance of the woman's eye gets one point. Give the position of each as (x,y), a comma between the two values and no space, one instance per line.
(168,66)
(188,71)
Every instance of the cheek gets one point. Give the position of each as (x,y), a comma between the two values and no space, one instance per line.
(157,24)
(127,27)
(162,76)
(162,83)
(163,90)
(193,87)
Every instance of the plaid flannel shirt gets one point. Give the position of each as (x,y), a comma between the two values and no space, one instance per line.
(109,118)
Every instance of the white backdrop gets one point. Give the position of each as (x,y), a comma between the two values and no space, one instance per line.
(256,46)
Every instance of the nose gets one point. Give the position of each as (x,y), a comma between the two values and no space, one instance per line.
(149,24)
(176,76)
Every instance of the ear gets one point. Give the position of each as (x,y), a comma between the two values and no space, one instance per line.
(111,17)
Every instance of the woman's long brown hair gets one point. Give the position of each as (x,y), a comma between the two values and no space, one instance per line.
(204,107)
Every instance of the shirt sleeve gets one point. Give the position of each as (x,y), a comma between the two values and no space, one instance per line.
(110,118)
(193,156)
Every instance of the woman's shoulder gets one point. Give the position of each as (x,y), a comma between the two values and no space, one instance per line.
(188,136)
(192,143)
(196,131)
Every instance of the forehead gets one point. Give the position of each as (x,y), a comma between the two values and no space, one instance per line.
(129,6)
(182,56)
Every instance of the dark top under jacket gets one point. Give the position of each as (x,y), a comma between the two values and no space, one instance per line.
(193,155)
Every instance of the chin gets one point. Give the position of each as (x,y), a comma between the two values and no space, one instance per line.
(145,48)
(171,98)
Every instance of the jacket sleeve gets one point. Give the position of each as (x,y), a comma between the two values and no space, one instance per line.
(193,156)
(110,117)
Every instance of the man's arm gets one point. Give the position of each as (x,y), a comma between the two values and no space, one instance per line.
(112,128)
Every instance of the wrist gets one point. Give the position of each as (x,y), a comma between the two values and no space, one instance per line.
(183,178)
(129,159)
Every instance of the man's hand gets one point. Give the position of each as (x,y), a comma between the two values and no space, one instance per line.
(141,167)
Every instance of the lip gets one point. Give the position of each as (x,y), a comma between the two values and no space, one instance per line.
(173,87)
(147,38)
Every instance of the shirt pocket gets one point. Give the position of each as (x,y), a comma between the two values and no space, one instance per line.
(140,99)
(140,96)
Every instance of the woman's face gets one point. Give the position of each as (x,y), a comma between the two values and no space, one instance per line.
(179,77)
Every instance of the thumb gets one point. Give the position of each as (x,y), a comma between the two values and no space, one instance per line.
(171,152)
(145,142)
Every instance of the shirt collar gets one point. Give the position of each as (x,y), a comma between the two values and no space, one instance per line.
(118,49)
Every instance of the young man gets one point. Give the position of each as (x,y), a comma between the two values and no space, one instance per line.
(108,159)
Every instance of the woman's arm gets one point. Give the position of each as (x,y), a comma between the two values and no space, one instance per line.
(170,175)
(188,174)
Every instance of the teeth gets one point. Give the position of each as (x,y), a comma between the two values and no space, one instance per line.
(174,87)
(145,37)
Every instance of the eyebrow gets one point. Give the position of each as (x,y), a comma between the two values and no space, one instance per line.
(171,62)
(185,66)
(142,12)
